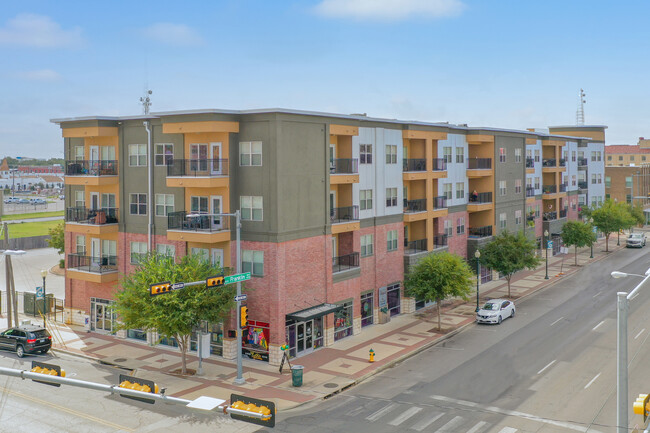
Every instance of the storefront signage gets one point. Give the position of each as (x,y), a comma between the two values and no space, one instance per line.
(383,297)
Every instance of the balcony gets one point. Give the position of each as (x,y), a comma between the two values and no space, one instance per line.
(415,247)
(412,206)
(549,162)
(345,263)
(562,162)
(582,162)
(563,187)
(344,171)
(479,202)
(91,221)
(414,164)
(582,184)
(182,226)
(92,173)
(198,173)
(439,241)
(94,269)
(530,163)
(479,167)
(549,216)
(530,218)
(439,202)
(530,191)
(563,213)
(344,214)
(480,232)
(439,164)
(549,189)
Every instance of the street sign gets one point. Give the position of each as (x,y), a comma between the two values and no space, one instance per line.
(39,293)
(240,297)
(237,278)
(178,286)
(549,245)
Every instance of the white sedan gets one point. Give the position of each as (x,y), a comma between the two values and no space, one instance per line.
(495,311)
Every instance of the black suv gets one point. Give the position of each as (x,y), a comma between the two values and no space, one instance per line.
(26,339)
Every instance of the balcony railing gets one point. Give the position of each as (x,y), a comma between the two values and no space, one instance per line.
(197,167)
(414,164)
(563,187)
(549,216)
(414,247)
(549,189)
(582,184)
(197,222)
(344,263)
(563,213)
(439,164)
(530,192)
(530,217)
(91,168)
(439,202)
(562,162)
(530,163)
(582,162)
(419,205)
(91,216)
(550,162)
(481,197)
(479,163)
(439,241)
(344,214)
(480,232)
(344,166)
(97,265)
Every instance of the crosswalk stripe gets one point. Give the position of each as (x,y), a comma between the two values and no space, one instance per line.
(356,411)
(508,430)
(421,425)
(477,427)
(381,412)
(405,415)
(451,425)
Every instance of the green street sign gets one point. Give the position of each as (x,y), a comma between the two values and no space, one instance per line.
(237,278)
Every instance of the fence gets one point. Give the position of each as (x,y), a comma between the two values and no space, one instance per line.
(29,306)
(28,243)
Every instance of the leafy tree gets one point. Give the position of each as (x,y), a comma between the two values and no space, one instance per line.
(609,218)
(437,277)
(57,238)
(578,234)
(510,253)
(177,313)
(637,214)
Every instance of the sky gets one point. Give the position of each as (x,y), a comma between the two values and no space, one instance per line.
(495,63)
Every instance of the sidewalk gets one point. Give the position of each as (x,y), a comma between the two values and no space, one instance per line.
(328,370)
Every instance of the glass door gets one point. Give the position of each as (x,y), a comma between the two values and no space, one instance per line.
(300,337)
(215,163)
(215,221)
(199,158)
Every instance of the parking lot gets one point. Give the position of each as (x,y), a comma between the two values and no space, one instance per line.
(27,204)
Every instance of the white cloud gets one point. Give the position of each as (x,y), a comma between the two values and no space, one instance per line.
(389,10)
(173,34)
(38,31)
(44,75)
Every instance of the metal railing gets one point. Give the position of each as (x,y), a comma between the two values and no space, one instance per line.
(562,162)
(439,164)
(563,187)
(549,162)
(414,247)
(410,164)
(91,168)
(481,197)
(530,217)
(344,166)
(582,162)
(91,216)
(479,163)
(197,167)
(27,304)
(480,232)
(440,202)
(344,263)
(344,214)
(563,213)
(530,163)
(549,189)
(582,184)
(179,220)
(97,265)
(549,216)
(530,192)
(439,241)
(419,205)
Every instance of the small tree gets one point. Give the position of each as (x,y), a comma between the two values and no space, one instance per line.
(510,253)
(174,314)
(636,212)
(57,238)
(609,218)
(437,277)
(578,234)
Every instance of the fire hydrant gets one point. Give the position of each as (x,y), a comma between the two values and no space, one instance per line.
(372,356)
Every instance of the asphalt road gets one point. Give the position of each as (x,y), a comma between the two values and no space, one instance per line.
(550,369)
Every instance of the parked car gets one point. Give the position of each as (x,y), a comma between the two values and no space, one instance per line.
(62,197)
(495,311)
(26,339)
(24,201)
(636,240)
(38,201)
(10,200)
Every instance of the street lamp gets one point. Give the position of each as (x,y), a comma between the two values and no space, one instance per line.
(477,254)
(546,247)
(45,309)
(591,221)
(623,302)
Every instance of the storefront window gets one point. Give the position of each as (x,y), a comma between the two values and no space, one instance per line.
(367,309)
(343,322)
(255,341)
(394,306)
(216,339)
(421,304)
(137,334)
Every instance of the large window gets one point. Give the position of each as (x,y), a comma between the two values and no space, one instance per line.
(367,308)
(164,204)
(460,155)
(365,153)
(448,228)
(447,188)
(518,217)
(164,153)
(137,155)
(79,199)
(391,154)
(253,262)
(391,197)
(517,186)
(628,181)
(502,154)
(166,250)
(460,226)
(391,240)
(138,204)
(537,183)
(537,157)
(446,154)
(343,321)
(250,153)
(138,251)
(460,190)
(365,199)
(518,154)
(367,247)
(198,204)
(81,244)
(252,208)
(78,153)
(502,187)
(502,220)
(108,201)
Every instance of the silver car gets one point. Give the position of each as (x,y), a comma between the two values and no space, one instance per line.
(495,311)
(636,240)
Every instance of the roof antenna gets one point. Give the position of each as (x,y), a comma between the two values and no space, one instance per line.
(146,102)
(580,113)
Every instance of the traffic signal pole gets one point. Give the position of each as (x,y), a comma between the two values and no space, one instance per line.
(239,380)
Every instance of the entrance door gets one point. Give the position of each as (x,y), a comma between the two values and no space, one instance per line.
(94,200)
(215,157)
(332,158)
(215,208)
(95,249)
(304,337)
(102,317)
(94,160)
(217,257)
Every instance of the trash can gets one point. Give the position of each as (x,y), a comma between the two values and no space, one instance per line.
(296,375)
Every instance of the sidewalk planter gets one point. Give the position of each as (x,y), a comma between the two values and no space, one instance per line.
(296,375)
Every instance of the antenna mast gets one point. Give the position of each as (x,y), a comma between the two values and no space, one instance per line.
(146,102)
(580,113)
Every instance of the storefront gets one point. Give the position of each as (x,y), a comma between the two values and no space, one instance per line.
(367,308)
(343,321)
(394,299)
(305,329)
(102,317)
(255,340)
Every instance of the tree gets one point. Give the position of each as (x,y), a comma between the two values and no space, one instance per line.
(609,218)
(437,277)
(510,253)
(637,214)
(578,234)
(174,314)
(57,238)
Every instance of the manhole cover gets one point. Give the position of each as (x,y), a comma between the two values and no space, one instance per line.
(119,359)
(330,385)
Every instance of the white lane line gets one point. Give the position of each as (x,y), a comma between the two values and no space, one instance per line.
(639,334)
(344,401)
(477,427)
(634,296)
(596,327)
(597,294)
(355,411)
(448,348)
(547,366)
(451,425)
(421,425)
(556,321)
(381,412)
(508,430)
(405,415)
(592,381)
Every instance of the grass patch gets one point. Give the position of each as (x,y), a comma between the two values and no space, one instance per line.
(24,230)
(25,216)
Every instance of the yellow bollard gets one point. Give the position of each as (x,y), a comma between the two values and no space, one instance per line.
(372,356)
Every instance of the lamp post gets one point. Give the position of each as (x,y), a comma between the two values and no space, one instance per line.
(45,309)
(591,221)
(477,254)
(546,248)
(622,303)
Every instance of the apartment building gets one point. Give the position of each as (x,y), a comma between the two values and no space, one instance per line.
(335,208)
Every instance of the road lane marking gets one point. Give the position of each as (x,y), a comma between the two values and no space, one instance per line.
(596,327)
(356,411)
(421,425)
(556,321)
(477,427)
(640,332)
(547,366)
(448,348)
(592,381)
(405,415)
(508,430)
(597,294)
(451,425)
(339,404)
(381,412)
(634,296)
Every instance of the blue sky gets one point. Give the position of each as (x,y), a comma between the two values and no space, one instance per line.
(509,63)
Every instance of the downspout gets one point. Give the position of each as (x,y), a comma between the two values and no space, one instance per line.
(149,185)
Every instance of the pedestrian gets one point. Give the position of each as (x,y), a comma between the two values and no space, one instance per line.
(474,196)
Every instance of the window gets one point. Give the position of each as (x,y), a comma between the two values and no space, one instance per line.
(166,250)
(138,204)
(608,182)
(460,190)
(502,187)
(529,182)
(164,154)
(628,198)
(518,154)
(391,154)
(252,208)
(593,156)
(502,154)
(250,153)
(391,197)
(517,186)
(448,228)
(599,156)
(137,155)
(203,253)
(253,262)
(460,226)
(537,211)
(391,240)
(600,178)
(108,202)
(367,246)
(365,153)
(81,244)
(343,321)
(620,158)
(138,251)
(628,181)
(573,156)
(79,200)
(593,179)
(609,158)
(107,153)
(502,220)
(565,155)
(631,157)
(518,217)
(573,180)
(365,199)
(447,190)
(78,153)
(367,308)
(198,204)
(164,204)
(446,154)
(460,154)
(642,157)
(537,156)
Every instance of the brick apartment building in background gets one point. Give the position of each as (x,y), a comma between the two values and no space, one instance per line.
(335,208)
(627,173)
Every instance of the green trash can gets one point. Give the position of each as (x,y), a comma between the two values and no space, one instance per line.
(296,375)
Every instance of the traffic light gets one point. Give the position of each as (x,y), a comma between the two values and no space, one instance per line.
(160,288)
(243,316)
(641,406)
(49,369)
(264,407)
(137,384)
(214,281)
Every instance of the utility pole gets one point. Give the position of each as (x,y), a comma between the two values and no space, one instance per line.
(7,277)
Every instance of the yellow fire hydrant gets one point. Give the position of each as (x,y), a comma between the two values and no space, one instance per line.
(372,356)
